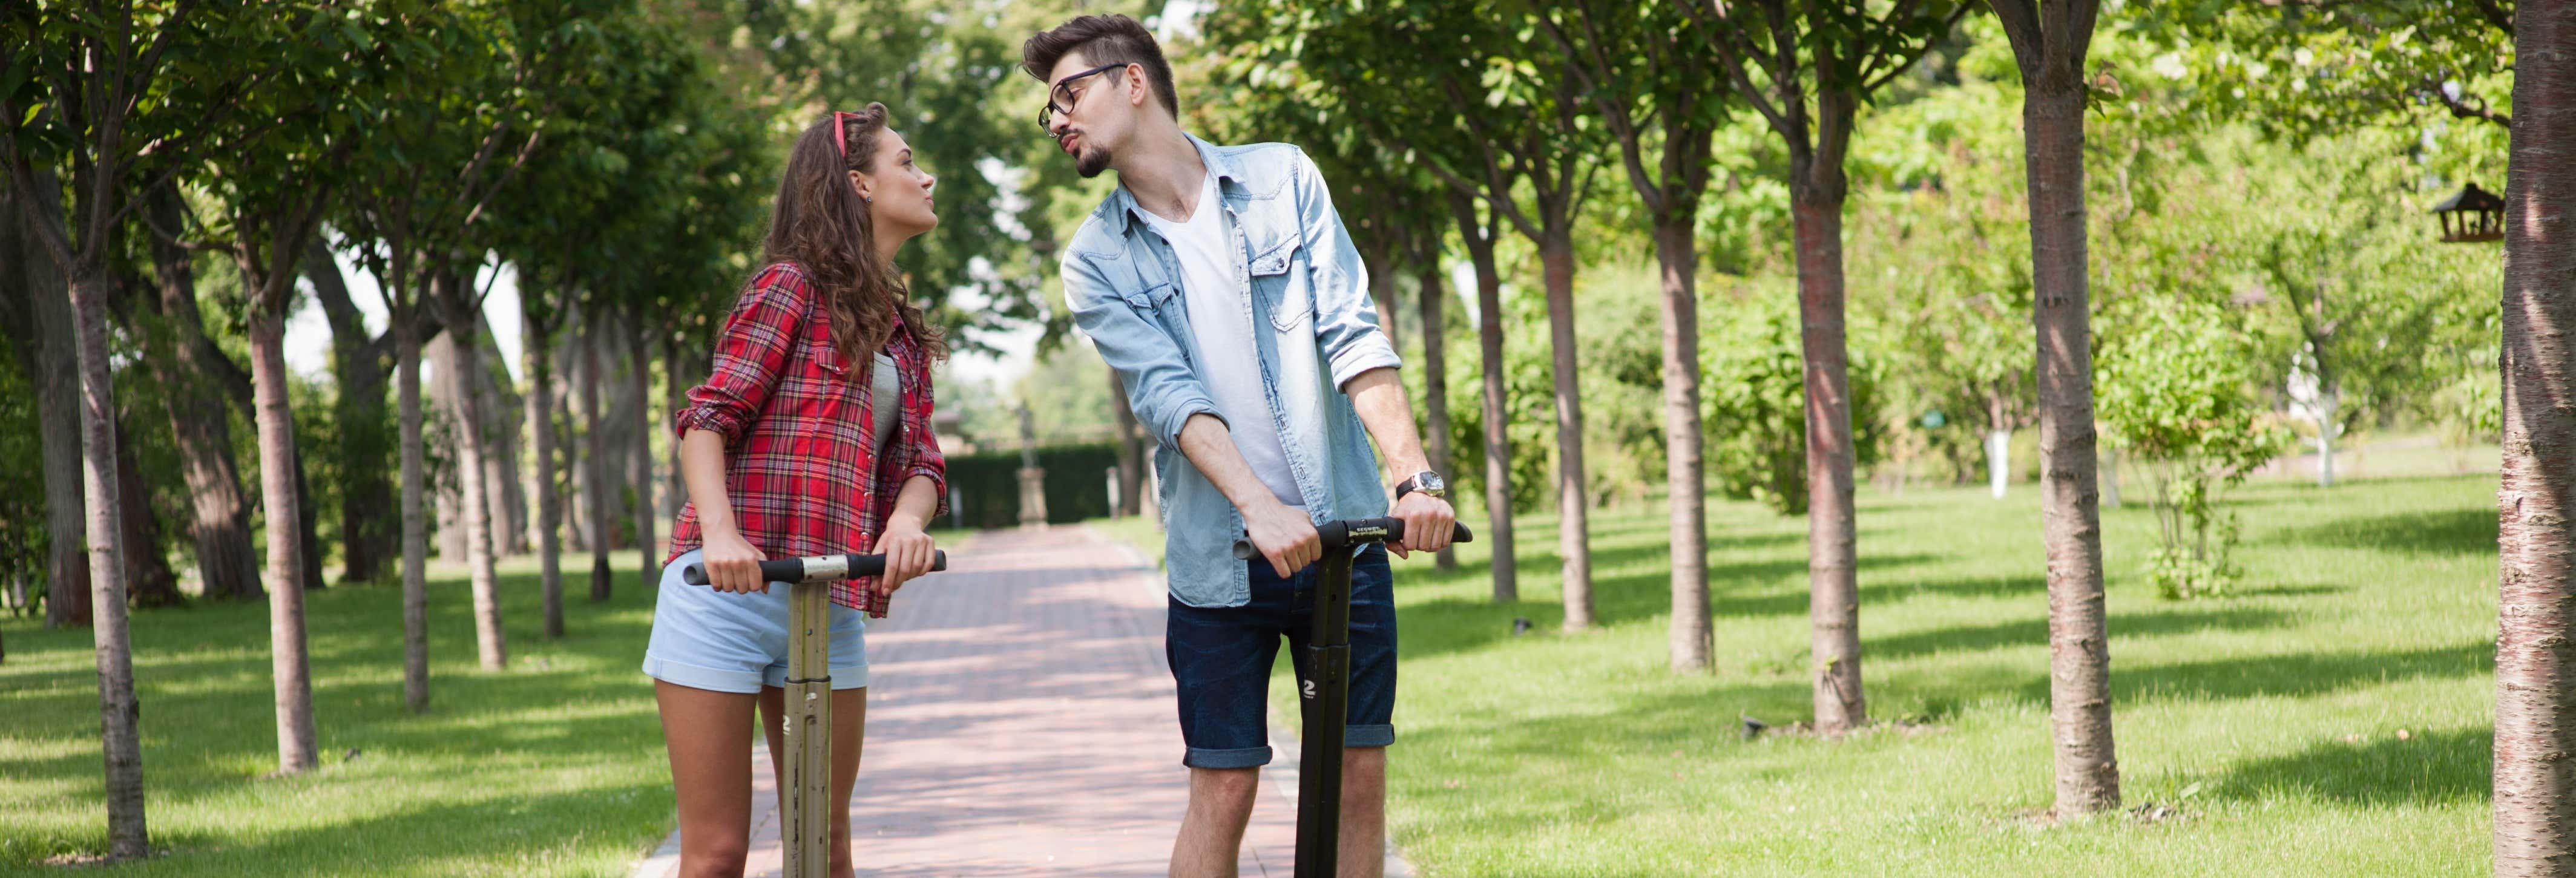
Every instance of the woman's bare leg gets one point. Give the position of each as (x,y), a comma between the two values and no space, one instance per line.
(709,736)
(849,721)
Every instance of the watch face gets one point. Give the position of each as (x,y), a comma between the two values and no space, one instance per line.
(1429,483)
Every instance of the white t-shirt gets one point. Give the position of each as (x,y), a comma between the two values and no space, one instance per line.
(1221,324)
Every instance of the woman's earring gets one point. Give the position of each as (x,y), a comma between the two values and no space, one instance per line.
(864,199)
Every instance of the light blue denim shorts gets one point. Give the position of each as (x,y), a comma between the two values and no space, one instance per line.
(726,642)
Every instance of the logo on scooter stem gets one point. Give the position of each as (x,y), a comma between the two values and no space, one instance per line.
(1306,689)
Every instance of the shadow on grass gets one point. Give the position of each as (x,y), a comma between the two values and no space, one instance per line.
(2034,632)
(1459,624)
(2424,532)
(2431,768)
(2292,674)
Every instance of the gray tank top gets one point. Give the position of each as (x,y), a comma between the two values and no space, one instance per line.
(885,399)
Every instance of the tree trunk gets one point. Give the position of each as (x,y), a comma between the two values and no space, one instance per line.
(120,716)
(149,580)
(1833,607)
(495,400)
(595,431)
(639,466)
(1685,478)
(2088,772)
(1432,296)
(370,526)
(1497,400)
(308,519)
(415,526)
(463,319)
(2329,426)
(1382,293)
(1573,493)
(2110,472)
(2535,722)
(675,396)
(1131,474)
(1998,460)
(57,378)
(446,503)
(537,348)
(289,663)
(220,526)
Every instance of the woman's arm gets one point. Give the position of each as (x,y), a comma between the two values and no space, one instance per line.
(905,545)
(732,564)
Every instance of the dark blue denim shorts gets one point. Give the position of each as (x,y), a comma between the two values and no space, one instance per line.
(1221,658)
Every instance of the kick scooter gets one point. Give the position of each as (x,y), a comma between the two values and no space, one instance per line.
(806,832)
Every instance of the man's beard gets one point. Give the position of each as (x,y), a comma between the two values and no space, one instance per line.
(1089,161)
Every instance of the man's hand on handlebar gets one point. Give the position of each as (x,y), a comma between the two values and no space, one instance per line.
(732,564)
(908,552)
(1284,536)
(1427,520)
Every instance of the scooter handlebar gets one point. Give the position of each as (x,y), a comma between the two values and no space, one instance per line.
(821,568)
(1351,532)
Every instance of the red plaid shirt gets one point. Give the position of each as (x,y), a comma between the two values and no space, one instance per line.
(800,467)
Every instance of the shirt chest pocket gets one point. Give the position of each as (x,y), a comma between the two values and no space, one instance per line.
(1284,292)
(1152,298)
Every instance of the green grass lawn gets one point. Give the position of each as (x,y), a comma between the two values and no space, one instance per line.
(552,767)
(2268,721)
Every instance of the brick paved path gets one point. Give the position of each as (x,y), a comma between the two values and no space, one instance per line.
(1020,722)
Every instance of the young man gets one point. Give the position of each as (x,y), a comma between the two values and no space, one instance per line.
(1221,286)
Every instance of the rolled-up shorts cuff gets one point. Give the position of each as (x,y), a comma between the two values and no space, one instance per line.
(1247,757)
(1379,735)
(744,682)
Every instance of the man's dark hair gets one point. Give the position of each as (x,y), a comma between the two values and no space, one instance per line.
(1105,39)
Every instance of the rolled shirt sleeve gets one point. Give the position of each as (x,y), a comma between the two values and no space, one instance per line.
(1346,318)
(750,354)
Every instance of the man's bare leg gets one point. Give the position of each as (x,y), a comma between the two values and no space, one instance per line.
(1211,839)
(1363,812)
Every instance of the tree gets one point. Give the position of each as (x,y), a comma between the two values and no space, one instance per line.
(2535,722)
(1476,233)
(187,364)
(1646,76)
(1807,72)
(2360,294)
(450,134)
(276,177)
(2049,40)
(2305,68)
(81,92)
(53,367)
(2174,393)
(363,428)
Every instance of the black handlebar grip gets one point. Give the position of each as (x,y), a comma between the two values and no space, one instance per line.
(793,569)
(1341,534)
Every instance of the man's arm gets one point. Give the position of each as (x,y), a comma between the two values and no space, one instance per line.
(1379,398)
(1282,534)
(1174,403)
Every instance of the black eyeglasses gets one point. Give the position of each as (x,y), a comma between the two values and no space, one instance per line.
(1060,99)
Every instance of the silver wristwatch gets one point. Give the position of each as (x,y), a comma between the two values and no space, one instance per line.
(1426,481)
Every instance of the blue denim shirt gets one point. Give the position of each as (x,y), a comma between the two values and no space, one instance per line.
(1303,289)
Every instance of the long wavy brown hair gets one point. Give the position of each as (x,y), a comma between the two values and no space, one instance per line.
(821,225)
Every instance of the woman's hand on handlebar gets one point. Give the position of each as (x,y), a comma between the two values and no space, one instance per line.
(732,564)
(908,553)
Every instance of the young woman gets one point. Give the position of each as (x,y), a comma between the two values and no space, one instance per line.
(812,436)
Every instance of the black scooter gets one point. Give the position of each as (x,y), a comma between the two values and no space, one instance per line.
(1326,692)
